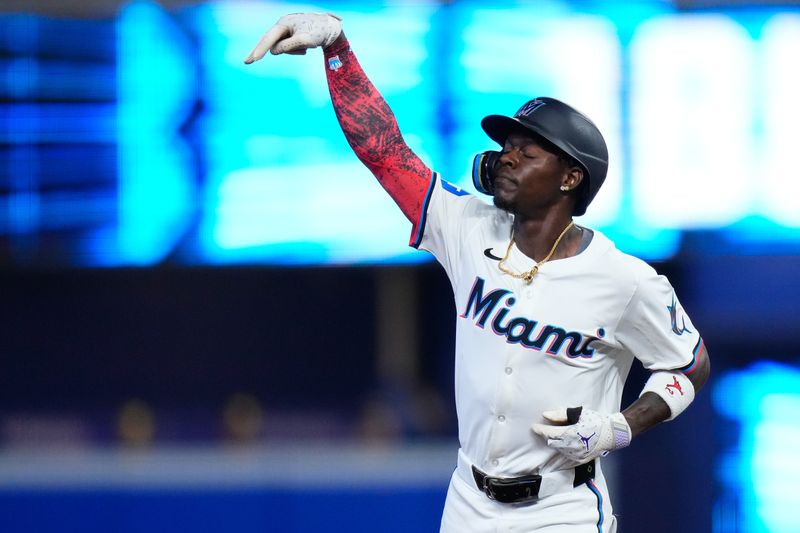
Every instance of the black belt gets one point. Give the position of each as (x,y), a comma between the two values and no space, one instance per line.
(523,488)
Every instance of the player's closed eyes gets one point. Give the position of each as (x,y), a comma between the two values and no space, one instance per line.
(525,154)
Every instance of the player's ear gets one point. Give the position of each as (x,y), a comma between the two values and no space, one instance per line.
(572,178)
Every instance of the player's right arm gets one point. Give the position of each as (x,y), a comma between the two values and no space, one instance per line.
(366,119)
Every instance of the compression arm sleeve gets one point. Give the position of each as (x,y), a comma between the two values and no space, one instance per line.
(372,131)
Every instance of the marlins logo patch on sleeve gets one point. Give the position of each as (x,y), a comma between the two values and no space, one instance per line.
(677,317)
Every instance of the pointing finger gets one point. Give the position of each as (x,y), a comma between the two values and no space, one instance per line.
(267,41)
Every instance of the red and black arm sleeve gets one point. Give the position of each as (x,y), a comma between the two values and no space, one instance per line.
(372,131)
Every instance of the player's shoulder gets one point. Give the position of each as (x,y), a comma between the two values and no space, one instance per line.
(472,206)
(451,188)
(624,265)
(453,192)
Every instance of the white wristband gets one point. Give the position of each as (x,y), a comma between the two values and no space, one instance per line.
(673,387)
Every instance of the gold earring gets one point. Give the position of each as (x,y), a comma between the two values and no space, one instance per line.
(564,188)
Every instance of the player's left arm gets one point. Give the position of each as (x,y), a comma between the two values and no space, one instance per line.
(666,395)
(653,327)
(651,408)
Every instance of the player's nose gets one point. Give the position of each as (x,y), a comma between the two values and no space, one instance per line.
(509,157)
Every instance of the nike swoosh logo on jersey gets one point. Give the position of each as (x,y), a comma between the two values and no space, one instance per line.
(488,253)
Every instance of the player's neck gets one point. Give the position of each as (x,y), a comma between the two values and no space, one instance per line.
(535,237)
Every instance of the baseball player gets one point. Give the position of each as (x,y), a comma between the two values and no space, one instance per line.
(550,315)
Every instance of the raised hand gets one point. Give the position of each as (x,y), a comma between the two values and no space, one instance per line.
(296,33)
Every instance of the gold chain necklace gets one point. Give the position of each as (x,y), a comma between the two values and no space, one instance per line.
(528,276)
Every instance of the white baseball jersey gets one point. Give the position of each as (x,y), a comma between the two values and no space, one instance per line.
(567,339)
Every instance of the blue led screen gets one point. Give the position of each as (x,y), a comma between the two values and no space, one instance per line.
(759,405)
(144,139)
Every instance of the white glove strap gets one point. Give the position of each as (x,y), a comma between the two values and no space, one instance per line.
(673,387)
(620,432)
(616,434)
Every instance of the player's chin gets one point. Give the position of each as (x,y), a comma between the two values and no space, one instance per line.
(502,202)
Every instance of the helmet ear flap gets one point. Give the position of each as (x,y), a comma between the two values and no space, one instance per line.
(483,167)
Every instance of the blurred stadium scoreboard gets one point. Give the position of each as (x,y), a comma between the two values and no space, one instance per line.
(144,139)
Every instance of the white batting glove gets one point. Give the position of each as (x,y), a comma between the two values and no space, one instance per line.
(296,33)
(586,434)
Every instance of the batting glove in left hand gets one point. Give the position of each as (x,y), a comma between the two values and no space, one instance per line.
(582,434)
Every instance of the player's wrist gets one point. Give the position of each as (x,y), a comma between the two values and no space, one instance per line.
(621,432)
(674,388)
(615,434)
(339,45)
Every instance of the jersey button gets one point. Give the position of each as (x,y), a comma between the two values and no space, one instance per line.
(509,370)
(495,462)
(501,418)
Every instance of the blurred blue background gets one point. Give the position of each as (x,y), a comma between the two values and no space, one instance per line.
(211,319)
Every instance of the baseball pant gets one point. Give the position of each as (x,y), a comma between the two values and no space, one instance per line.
(582,509)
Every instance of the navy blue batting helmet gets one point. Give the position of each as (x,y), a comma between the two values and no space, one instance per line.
(567,129)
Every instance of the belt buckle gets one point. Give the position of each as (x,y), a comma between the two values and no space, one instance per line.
(513,490)
(488,488)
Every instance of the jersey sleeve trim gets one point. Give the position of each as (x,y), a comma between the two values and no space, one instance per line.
(419,228)
(692,366)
